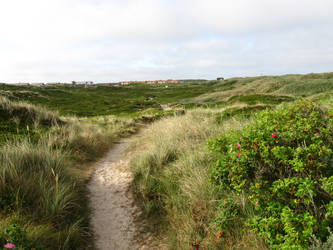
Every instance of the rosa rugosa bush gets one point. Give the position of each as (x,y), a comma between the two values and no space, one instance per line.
(283,163)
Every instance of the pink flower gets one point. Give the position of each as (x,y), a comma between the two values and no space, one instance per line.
(238,145)
(9,245)
(317,134)
(240,138)
(274,135)
(239,154)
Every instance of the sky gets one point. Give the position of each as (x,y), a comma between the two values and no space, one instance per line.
(117,40)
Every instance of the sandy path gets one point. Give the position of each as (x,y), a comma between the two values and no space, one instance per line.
(113,206)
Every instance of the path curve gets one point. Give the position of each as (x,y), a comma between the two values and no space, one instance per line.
(113,208)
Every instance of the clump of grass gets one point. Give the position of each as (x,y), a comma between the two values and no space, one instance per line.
(37,182)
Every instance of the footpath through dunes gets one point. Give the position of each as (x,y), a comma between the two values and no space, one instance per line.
(112,203)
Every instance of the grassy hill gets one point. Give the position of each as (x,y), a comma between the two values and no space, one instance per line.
(188,190)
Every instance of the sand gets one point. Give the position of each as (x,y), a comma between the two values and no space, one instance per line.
(112,203)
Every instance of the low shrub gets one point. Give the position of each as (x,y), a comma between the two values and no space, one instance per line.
(281,167)
(14,233)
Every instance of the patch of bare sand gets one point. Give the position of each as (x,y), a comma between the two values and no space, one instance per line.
(113,208)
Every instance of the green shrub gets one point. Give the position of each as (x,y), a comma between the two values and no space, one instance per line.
(16,235)
(282,165)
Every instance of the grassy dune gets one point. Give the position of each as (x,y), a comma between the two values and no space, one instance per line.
(45,158)
(175,178)
(44,168)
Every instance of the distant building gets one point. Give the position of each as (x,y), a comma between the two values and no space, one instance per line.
(149,82)
(82,82)
(220,78)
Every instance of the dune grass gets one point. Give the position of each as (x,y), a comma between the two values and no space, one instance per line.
(38,184)
(44,169)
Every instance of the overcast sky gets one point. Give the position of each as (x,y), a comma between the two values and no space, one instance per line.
(113,40)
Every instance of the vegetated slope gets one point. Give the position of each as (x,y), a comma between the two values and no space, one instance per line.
(266,182)
(43,202)
(269,89)
(20,120)
(132,99)
(100,100)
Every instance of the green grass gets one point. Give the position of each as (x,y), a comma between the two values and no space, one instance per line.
(123,100)
(308,87)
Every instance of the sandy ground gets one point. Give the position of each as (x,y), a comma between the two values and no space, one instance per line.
(114,210)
